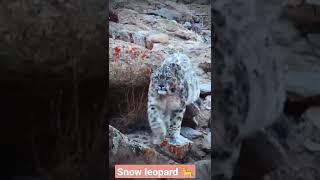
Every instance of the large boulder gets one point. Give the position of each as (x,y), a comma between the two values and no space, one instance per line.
(130,64)
(124,150)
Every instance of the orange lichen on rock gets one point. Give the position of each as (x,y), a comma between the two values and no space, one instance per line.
(144,54)
(116,53)
(175,151)
(149,152)
(134,53)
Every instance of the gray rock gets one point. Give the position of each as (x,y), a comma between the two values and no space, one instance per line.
(170,14)
(123,150)
(205,88)
(313,115)
(139,37)
(190,133)
(185,34)
(187,25)
(156,38)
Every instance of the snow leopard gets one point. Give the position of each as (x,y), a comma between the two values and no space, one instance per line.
(173,86)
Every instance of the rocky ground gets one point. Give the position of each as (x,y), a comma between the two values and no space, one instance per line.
(266,62)
(141,35)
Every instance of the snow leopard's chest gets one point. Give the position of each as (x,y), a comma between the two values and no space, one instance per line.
(169,103)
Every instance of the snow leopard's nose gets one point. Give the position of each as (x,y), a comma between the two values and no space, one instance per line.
(161,86)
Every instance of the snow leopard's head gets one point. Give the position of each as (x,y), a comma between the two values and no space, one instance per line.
(166,78)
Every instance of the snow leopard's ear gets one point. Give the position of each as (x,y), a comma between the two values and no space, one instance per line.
(153,68)
(176,68)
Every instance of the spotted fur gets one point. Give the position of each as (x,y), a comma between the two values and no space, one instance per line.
(172,87)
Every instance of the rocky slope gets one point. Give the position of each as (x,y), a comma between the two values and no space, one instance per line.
(141,35)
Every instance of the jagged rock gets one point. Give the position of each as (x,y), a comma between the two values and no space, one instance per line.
(123,150)
(128,33)
(312,115)
(311,145)
(175,151)
(190,133)
(173,11)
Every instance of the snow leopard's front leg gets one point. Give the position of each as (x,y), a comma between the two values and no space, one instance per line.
(157,125)
(175,127)
(177,116)
(175,122)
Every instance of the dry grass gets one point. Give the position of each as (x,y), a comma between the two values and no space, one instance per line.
(135,105)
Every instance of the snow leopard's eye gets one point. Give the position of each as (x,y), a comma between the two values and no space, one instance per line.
(168,77)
